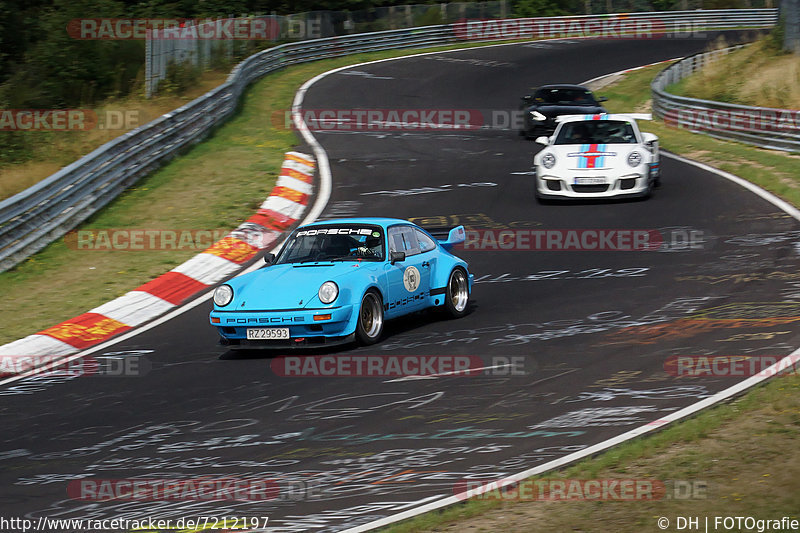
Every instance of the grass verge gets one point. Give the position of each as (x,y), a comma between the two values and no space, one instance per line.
(765,77)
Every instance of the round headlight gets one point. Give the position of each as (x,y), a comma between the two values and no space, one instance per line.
(328,292)
(634,158)
(548,160)
(535,115)
(223,295)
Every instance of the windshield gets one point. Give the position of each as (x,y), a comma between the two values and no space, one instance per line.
(565,97)
(342,242)
(596,132)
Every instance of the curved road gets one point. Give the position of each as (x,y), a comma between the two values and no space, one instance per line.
(589,331)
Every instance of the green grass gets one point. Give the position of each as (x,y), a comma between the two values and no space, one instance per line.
(765,77)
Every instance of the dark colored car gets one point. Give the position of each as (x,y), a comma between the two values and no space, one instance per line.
(550,101)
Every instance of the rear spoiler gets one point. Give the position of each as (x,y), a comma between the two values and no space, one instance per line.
(447,237)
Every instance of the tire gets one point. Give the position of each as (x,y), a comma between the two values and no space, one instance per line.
(369,326)
(456,297)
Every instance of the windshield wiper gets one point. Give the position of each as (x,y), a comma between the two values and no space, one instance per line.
(325,259)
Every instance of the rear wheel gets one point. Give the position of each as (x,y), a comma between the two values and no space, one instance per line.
(457,293)
(370,318)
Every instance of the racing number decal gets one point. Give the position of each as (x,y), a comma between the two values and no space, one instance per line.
(411,278)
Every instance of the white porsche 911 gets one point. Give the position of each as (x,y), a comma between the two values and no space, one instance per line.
(597,156)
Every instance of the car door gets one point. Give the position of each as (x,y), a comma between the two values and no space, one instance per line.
(408,280)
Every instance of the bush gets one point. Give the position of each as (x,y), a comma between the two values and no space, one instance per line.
(178,77)
(774,41)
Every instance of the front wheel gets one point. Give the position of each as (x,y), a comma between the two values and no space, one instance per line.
(457,293)
(370,318)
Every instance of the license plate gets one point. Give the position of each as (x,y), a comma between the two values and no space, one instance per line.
(590,181)
(267,333)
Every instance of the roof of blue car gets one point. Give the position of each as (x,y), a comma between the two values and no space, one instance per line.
(379,221)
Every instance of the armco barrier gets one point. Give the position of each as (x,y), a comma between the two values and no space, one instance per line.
(281,209)
(37,216)
(761,126)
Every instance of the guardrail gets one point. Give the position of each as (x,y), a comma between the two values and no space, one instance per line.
(41,214)
(777,129)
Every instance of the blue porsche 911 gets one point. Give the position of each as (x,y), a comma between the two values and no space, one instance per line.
(336,281)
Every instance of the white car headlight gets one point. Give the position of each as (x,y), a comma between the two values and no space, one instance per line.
(548,160)
(634,158)
(328,292)
(535,115)
(223,295)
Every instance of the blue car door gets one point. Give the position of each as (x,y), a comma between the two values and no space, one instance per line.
(408,280)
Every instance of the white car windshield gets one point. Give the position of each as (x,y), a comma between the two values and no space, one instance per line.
(596,132)
(340,242)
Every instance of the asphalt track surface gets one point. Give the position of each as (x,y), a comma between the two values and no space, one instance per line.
(593,328)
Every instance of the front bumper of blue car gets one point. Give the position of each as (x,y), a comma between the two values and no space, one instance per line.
(306,327)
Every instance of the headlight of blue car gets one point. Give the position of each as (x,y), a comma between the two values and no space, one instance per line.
(535,115)
(328,292)
(223,295)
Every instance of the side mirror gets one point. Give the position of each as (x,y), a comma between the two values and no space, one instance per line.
(602,99)
(649,139)
(269,258)
(543,140)
(394,257)
(527,98)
